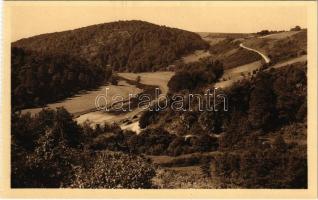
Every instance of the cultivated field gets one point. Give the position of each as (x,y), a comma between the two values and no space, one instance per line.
(151,78)
(86,101)
(196,56)
(129,121)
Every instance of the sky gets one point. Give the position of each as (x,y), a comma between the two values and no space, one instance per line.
(30,20)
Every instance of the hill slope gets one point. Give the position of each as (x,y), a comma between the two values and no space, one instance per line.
(125,45)
(39,78)
(281,46)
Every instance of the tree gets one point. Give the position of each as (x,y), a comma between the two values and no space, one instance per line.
(263,32)
(42,76)
(138,79)
(66,128)
(280,144)
(114,81)
(180,81)
(146,118)
(296,28)
(261,104)
(211,121)
(197,74)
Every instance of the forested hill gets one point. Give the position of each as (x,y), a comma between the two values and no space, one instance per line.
(39,78)
(125,45)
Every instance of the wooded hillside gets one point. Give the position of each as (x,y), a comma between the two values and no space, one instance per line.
(125,45)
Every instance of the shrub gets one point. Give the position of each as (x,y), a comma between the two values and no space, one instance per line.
(114,170)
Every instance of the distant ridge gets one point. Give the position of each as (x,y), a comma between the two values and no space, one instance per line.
(125,45)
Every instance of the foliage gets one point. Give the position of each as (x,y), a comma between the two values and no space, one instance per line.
(231,54)
(114,170)
(124,45)
(56,155)
(194,75)
(264,168)
(296,28)
(261,104)
(39,78)
(147,117)
(267,32)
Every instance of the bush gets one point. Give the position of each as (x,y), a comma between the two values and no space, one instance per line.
(114,170)
(296,28)
(196,74)
(55,156)
(147,118)
(263,169)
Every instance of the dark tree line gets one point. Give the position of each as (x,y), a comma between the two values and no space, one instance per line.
(267,32)
(39,78)
(194,75)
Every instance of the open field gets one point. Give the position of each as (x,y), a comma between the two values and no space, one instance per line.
(159,79)
(196,56)
(86,101)
(228,49)
(280,46)
(281,35)
(151,78)
(241,70)
(302,58)
(244,68)
(205,35)
(212,39)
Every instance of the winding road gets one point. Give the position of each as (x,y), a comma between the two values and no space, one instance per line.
(266,58)
(235,74)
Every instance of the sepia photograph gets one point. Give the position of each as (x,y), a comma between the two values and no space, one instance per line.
(160,95)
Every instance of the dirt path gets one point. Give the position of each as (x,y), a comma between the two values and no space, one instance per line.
(266,58)
(302,58)
(235,74)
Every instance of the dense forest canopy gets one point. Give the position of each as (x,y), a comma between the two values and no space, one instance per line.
(125,45)
(258,143)
(39,78)
(48,151)
(50,67)
(259,139)
(191,76)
